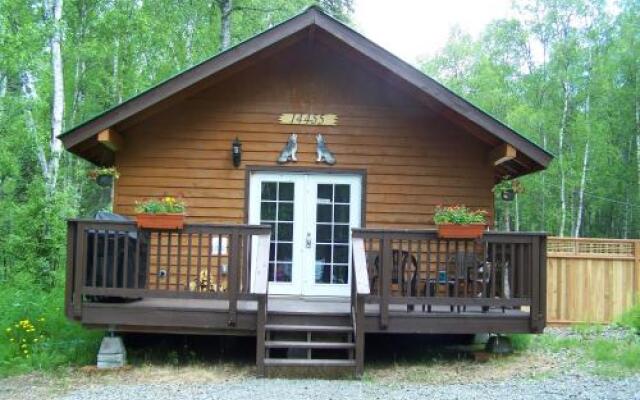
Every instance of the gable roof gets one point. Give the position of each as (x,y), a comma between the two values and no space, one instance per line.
(81,139)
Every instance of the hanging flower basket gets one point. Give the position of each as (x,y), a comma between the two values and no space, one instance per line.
(104,176)
(459,222)
(508,188)
(104,180)
(165,213)
(508,194)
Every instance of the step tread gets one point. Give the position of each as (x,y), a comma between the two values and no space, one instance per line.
(308,328)
(318,362)
(307,345)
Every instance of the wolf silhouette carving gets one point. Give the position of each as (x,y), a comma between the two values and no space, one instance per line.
(324,154)
(290,149)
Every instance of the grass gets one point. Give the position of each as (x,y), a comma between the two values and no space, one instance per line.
(631,318)
(589,349)
(35,335)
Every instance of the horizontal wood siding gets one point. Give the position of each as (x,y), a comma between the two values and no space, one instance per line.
(414,160)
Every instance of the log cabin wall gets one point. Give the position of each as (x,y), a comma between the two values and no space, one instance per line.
(414,159)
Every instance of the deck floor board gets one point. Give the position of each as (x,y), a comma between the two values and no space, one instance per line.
(308,306)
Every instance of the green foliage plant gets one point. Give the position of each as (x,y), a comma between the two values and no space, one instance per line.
(105,171)
(631,318)
(459,215)
(509,184)
(35,334)
(166,205)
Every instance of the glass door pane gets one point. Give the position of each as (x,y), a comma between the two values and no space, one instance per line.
(333,210)
(276,209)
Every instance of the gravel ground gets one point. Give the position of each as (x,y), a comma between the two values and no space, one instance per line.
(536,374)
(573,387)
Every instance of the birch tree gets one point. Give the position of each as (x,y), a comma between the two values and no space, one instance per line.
(57,103)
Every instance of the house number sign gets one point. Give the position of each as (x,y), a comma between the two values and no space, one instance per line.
(308,119)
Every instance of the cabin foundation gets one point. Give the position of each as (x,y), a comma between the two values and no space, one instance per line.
(112,353)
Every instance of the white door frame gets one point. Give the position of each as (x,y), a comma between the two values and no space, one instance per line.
(256,178)
(304,227)
(310,287)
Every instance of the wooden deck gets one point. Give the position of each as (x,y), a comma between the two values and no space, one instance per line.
(198,316)
(402,282)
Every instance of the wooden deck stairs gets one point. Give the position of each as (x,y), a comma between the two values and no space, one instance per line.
(307,341)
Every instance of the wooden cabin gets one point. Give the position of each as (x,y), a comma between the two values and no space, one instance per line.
(307,242)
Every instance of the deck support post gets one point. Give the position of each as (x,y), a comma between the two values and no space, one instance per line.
(80,258)
(234,266)
(261,320)
(72,233)
(360,321)
(387,262)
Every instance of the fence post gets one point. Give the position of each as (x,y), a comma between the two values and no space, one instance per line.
(542,312)
(536,257)
(636,271)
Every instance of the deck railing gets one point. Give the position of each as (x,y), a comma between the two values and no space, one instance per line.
(115,261)
(359,291)
(415,271)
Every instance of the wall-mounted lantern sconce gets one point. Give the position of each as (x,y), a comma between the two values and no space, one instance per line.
(236,152)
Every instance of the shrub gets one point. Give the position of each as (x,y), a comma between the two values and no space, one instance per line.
(520,341)
(35,334)
(105,171)
(459,215)
(631,318)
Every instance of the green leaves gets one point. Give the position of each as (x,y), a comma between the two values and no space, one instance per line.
(516,71)
(459,215)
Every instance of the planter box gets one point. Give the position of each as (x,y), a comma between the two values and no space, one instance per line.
(160,221)
(453,231)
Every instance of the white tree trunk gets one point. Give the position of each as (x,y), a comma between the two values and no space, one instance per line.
(507,218)
(583,181)
(563,126)
(117,92)
(517,216)
(57,106)
(3,85)
(28,89)
(226,8)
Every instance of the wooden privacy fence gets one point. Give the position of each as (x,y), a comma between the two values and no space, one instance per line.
(591,280)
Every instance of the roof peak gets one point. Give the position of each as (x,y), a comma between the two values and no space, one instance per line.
(315,7)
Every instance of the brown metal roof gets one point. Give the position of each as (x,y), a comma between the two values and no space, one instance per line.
(81,139)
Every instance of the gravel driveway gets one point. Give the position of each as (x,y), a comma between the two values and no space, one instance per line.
(573,387)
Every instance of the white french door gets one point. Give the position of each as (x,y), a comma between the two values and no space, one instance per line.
(311,216)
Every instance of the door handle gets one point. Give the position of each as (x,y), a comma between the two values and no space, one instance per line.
(308,241)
